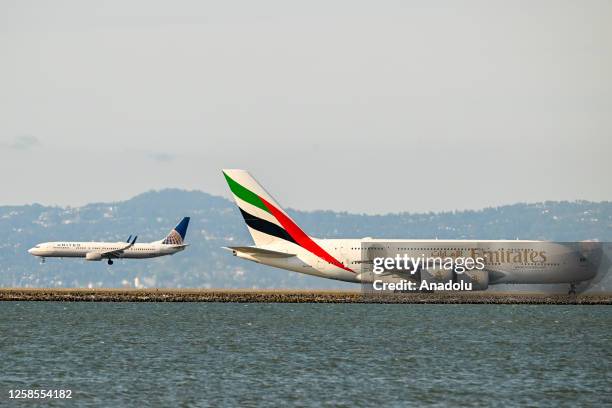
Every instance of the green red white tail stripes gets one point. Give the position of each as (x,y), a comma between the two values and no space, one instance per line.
(263,215)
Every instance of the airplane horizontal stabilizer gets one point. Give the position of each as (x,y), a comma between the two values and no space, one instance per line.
(259,251)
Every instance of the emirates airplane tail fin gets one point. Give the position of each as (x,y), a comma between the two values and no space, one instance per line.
(266,220)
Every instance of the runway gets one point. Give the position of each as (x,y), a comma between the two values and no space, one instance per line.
(292,296)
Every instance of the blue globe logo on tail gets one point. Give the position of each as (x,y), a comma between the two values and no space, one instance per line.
(177,235)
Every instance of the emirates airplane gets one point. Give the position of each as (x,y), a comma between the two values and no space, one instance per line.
(96,251)
(280,243)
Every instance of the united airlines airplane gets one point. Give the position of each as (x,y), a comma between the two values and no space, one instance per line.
(96,251)
(280,243)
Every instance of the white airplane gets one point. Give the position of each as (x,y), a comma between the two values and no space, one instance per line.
(280,243)
(96,251)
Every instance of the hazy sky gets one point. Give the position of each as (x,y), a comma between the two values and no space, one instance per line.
(362,106)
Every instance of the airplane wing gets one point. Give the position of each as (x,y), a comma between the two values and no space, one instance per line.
(116,252)
(259,251)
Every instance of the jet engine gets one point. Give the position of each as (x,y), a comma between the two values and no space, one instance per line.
(93,256)
(478,278)
(436,275)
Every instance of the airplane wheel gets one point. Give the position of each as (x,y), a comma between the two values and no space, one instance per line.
(572,289)
(110,261)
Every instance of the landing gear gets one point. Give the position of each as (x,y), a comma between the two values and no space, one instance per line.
(42,260)
(572,289)
(110,261)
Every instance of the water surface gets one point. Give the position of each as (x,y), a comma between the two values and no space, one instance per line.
(209,354)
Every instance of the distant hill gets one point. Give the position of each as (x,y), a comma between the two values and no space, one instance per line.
(216,222)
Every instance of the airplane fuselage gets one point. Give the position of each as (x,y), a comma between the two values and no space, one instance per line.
(82,249)
(512,261)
